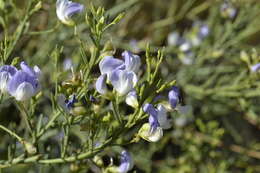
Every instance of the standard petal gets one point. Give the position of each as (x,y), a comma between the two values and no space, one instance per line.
(32,72)
(73,8)
(132,62)
(108,64)
(123,81)
(8,68)
(24,91)
(101,85)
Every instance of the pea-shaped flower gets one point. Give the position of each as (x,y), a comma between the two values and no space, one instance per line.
(123,81)
(121,74)
(6,73)
(174,97)
(126,162)
(255,68)
(65,9)
(131,99)
(25,83)
(152,131)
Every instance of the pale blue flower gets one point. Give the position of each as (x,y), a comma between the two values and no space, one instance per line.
(23,85)
(6,73)
(126,162)
(35,72)
(123,81)
(121,74)
(152,131)
(132,62)
(65,9)
(255,68)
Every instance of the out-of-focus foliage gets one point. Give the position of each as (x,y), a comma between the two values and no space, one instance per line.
(220,134)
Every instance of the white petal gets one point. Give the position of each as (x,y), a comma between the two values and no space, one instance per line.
(4,78)
(123,81)
(146,134)
(24,92)
(131,99)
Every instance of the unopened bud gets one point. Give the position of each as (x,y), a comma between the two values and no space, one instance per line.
(29,147)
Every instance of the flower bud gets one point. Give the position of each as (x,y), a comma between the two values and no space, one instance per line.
(98,161)
(29,147)
(131,99)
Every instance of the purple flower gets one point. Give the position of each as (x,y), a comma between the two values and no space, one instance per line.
(35,72)
(108,64)
(23,86)
(6,73)
(152,131)
(174,97)
(65,9)
(121,74)
(158,116)
(126,162)
(255,68)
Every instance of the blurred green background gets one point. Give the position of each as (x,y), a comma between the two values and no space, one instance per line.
(222,132)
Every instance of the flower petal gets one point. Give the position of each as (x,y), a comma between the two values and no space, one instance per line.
(164,122)
(108,64)
(101,85)
(65,9)
(255,68)
(4,78)
(126,162)
(19,78)
(123,81)
(131,99)
(132,62)
(8,68)
(173,97)
(24,91)
(145,133)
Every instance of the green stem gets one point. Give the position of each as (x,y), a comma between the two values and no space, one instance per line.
(116,111)
(11,133)
(49,124)
(25,116)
